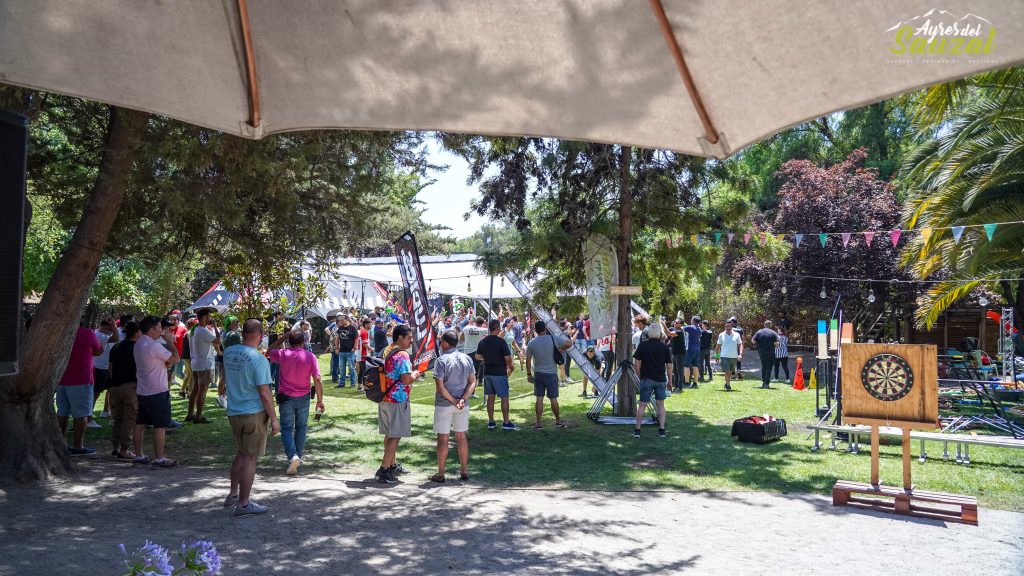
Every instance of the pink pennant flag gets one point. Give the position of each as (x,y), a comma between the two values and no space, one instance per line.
(894,235)
(868,237)
(846,238)
(668,242)
(764,238)
(730,236)
(746,238)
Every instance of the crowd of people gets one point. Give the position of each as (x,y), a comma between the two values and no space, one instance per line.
(266,377)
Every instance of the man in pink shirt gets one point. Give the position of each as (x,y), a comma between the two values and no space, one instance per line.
(74,391)
(152,360)
(298,367)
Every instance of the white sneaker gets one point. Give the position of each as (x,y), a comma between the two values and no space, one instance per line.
(222,401)
(93,424)
(251,508)
(104,414)
(293,465)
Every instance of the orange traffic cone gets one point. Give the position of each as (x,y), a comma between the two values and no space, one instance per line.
(798,378)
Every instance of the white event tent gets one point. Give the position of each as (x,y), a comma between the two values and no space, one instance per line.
(351,282)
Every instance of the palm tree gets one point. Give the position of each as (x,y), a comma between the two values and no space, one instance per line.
(969,172)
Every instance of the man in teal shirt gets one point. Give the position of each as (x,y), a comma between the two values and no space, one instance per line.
(250,409)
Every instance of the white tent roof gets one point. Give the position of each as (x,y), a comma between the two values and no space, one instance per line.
(704,78)
(453,275)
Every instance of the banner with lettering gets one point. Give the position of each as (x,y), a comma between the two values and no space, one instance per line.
(424,343)
(602,273)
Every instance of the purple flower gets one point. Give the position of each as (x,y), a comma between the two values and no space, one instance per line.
(200,556)
(150,560)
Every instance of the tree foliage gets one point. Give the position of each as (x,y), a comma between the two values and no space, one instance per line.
(812,199)
(201,199)
(969,172)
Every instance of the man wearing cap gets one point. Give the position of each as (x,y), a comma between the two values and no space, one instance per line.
(592,358)
(153,399)
(380,337)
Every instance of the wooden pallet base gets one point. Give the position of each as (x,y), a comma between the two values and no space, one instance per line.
(956,508)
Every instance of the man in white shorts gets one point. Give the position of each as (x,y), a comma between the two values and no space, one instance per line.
(455,379)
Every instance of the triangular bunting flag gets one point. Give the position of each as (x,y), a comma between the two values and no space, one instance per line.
(990,229)
(780,237)
(799,239)
(868,237)
(764,238)
(894,235)
(746,238)
(823,238)
(668,242)
(718,237)
(846,239)
(958,231)
(926,233)
(730,236)
(694,239)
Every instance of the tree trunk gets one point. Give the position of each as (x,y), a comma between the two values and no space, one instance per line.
(31,446)
(625,393)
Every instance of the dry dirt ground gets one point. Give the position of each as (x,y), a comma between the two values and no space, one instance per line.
(345,525)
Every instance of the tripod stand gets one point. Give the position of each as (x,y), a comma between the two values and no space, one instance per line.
(606,395)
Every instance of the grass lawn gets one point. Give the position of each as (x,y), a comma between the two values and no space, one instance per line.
(699,453)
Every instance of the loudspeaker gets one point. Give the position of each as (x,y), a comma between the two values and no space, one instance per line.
(13,155)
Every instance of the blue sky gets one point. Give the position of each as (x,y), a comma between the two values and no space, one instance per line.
(447,199)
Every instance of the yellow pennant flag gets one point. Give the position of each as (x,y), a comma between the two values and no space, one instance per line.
(812,382)
(780,237)
(926,233)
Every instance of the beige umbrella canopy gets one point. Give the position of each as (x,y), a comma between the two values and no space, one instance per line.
(696,76)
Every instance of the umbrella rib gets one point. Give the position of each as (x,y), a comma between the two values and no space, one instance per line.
(250,66)
(710,133)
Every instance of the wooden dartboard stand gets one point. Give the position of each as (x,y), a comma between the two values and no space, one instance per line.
(895,385)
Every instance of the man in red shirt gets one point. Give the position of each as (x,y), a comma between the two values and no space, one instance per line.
(180,330)
(74,391)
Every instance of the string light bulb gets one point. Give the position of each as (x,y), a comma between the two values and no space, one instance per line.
(784,289)
(823,294)
(502,280)
(982,301)
(469,285)
(871,296)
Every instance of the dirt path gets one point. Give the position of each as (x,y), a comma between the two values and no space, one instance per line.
(346,526)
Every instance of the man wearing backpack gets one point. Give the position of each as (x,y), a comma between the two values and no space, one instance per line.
(455,380)
(394,419)
(541,355)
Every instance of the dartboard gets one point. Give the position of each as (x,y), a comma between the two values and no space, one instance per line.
(887,377)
